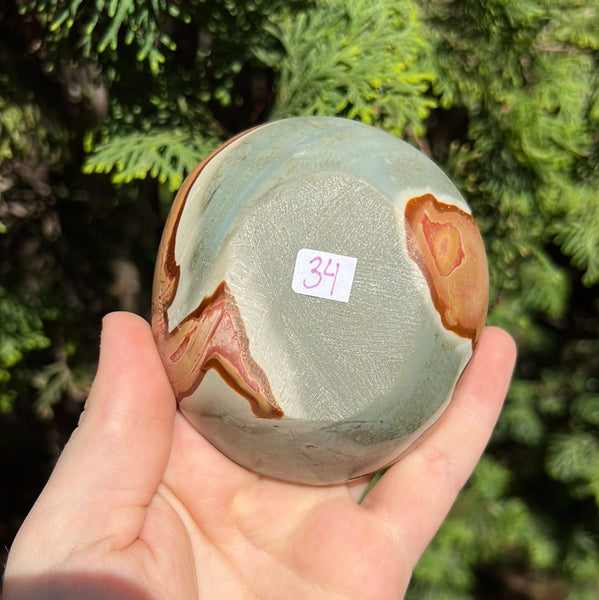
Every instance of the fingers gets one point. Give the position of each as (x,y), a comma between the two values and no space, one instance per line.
(415,495)
(113,463)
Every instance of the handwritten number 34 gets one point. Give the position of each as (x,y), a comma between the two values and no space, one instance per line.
(331,270)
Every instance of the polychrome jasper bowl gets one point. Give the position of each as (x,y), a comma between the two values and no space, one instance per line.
(319,289)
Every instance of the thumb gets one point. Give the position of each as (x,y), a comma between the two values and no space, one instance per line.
(113,463)
(124,435)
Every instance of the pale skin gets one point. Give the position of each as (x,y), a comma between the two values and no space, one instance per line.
(140,506)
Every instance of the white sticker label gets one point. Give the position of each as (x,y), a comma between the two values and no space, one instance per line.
(323,274)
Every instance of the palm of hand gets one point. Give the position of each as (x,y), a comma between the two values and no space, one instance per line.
(253,537)
(141,506)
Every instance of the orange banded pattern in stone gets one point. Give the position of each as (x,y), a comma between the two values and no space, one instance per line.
(446,244)
(212,336)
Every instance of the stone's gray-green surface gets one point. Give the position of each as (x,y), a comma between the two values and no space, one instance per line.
(358,381)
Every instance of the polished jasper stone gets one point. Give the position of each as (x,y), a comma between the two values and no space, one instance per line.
(319,289)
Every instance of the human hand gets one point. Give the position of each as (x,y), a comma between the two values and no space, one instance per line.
(140,506)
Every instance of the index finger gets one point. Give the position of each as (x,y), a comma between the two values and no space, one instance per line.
(415,495)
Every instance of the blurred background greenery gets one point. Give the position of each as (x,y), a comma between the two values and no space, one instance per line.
(106,105)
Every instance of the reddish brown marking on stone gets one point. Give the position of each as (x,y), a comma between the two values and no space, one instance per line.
(180,350)
(446,244)
(211,336)
(227,350)
(167,273)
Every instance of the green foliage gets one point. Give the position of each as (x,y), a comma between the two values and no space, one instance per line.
(576,238)
(21,331)
(17,124)
(528,136)
(105,106)
(163,155)
(93,28)
(486,513)
(574,459)
(25,133)
(363,59)
(522,76)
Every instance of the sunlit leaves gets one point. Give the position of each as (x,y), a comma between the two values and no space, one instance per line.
(361,59)
(95,27)
(163,155)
